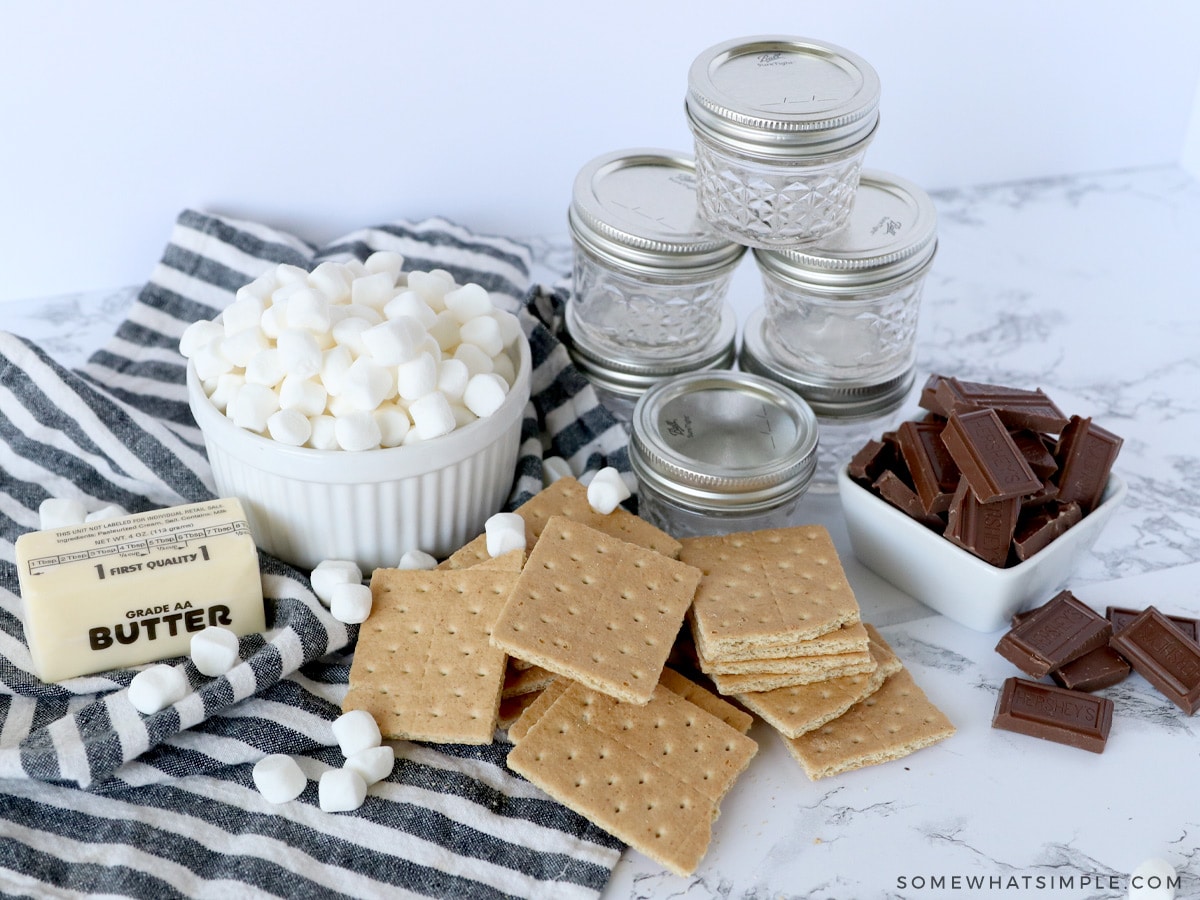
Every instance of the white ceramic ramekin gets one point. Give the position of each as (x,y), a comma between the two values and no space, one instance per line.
(952,581)
(308,505)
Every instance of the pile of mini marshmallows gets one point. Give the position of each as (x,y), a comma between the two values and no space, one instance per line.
(355,355)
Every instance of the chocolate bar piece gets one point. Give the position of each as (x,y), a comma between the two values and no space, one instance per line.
(1054,713)
(1160,653)
(1037,527)
(985,529)
(1085,456)
(1036,453)
(1101,668)
(1121,616)
(870,462)
(891,487)
(1017,408)
(989,460)
(1064,629)
(934,473)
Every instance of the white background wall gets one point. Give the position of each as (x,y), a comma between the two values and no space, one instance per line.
(324,117)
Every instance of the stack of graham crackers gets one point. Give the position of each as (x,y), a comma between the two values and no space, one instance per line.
(776,625)
(567,647)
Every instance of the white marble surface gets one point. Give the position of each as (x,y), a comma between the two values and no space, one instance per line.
(1083,286)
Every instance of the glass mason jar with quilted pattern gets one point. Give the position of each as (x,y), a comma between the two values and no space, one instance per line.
(650,277)
(781,125)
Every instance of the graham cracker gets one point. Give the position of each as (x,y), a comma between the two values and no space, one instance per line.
(424,666)
(512,561)
(792,711)
(533,712)
(512,708)
(896,720)
(706,700)
(524,680)
(596,609)
(767,589)
(653,776)
(806,671)
(567,497)
(833,662)
(847,639)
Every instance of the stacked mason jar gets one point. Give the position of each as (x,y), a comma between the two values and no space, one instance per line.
(781,127)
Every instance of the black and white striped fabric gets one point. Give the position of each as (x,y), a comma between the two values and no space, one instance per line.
(96,799)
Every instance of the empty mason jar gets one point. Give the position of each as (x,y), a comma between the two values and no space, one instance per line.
(844,312)
(717,452)
(650,276)
(781,125)
(620,380)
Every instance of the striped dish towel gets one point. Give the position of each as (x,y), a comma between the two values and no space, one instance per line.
(96,799)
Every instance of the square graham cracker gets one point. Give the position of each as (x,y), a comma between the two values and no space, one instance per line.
(652,776)
(896,720)
(850,638)
(537,706)
(706,700)
(424,666)
(767,589)
(567,497)
(794,710)
(804,670)
(596,609)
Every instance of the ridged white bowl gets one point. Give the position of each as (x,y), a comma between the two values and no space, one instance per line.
(308,505)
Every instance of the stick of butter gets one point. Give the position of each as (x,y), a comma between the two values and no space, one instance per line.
(121,592)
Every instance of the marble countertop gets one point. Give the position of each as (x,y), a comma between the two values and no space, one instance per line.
(1081,285)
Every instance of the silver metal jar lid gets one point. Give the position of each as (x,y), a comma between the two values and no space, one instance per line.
(631,376)
(637,209)
(828,399)
(782,96)
(723,441)
(891,235)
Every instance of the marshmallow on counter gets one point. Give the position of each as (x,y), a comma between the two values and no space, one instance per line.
(504,532)
(607,490)
(58,512)
(341,790)
(157,687)
(555,468)
(350,603)
(329,573)
(355,731)
(215,651)
(279,778)
(373,764)
(111,511)
(417,559)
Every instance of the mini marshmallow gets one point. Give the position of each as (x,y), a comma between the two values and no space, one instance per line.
(410,303)
(331,572)
(445,330)
(366,385)
(273,319)
(58,512)
(373,290)
(308,310)
(485,394)
(157,687)
(509,324)
(504,533)
(476,361)
(305,395)
(484,333)
(356,730)
(348,332)
(198,334)
(468,301)
(210,362)
(431,287)
(554,468)
(332,280)
(261,287)
(287,274)
(214,650)
(502,365)
(393,424)
(279,778)
(289,426)
(417,559)
(417,377)
(335,363)
(324,433)
(432,347)
(373,764)
(111,511)
(452,378)
(394,341)
(385,261)
(431,416)
(299,353)
(265,367)
(606,491)
(341,790)
(350,603)
(357,431)
(253,406)
(225,389)
(462,415)
(242,314)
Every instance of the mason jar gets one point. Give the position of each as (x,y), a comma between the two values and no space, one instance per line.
(780,126)
(650,276)
(844,312)
(718,452)
(620,379)
(848,413)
